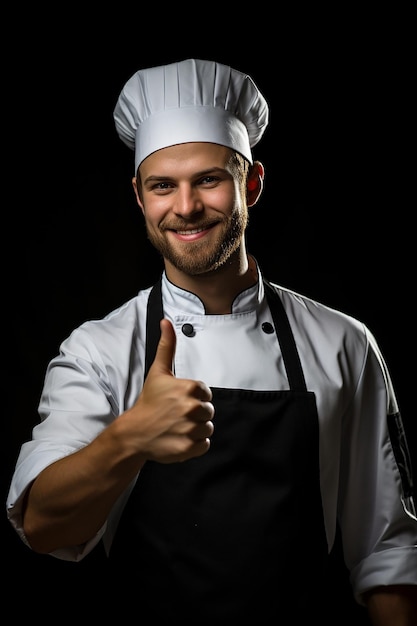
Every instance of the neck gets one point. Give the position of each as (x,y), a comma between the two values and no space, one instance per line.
(218,289)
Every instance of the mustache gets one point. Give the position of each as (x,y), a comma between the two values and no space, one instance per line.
(187,225)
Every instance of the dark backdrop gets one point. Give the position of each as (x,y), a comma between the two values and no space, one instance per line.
(333,223)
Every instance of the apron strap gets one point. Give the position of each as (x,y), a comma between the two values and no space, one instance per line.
(286,339)
(154,314)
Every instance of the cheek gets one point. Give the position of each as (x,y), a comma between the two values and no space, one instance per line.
(224,199)
(155,211)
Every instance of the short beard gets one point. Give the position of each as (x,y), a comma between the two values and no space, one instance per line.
(198,258)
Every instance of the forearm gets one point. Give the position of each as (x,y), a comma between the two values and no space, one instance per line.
(70,500)
(395,604)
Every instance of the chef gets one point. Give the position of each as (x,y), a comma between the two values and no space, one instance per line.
(217,429)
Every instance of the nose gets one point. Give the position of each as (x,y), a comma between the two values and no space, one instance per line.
(187,201)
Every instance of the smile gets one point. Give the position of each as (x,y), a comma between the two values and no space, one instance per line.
(194,231)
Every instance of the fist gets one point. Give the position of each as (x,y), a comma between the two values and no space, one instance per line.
(173,416)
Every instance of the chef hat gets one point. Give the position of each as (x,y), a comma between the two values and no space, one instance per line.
(191,100)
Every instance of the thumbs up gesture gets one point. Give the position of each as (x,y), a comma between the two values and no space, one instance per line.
(172,417)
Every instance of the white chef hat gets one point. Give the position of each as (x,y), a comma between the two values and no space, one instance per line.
(190,100)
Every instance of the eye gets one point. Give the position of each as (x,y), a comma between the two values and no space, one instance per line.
(162,186)
(209,180)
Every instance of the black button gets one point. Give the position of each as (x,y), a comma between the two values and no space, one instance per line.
(267,328)
(188,330)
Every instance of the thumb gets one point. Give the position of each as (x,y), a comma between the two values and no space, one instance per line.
(165,351)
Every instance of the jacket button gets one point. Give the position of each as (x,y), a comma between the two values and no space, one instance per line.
(188,330)
(267,328)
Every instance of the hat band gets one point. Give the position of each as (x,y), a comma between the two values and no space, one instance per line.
(188,124)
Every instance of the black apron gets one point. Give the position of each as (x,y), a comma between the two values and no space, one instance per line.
(236,535)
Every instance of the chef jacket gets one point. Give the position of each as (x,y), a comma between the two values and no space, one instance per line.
(365,472)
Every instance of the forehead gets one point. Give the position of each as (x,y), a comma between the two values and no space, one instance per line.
(185,158)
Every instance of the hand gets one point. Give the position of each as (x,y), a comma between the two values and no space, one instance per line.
(172,418)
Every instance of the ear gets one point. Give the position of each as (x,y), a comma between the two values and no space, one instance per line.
(254,183)
(137,194)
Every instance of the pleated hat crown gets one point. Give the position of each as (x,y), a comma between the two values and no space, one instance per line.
(191,100)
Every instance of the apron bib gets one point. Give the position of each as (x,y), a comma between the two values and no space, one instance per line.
(236,534)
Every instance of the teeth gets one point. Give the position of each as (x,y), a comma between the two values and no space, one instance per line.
(189,232)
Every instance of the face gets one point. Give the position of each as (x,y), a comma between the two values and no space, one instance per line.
(194,205)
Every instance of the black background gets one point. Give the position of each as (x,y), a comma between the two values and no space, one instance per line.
(335,220)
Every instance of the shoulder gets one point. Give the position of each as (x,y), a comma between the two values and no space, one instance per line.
(325,332)
(120,326)
(302,308)
(339,345)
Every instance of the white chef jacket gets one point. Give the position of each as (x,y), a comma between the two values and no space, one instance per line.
(99,372)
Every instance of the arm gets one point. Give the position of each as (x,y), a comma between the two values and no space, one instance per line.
(171,421)
(395,604)
(378,523)
(70,500)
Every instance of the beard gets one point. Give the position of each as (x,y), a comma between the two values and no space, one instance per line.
(199,257)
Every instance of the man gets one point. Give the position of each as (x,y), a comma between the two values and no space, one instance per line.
(216,430)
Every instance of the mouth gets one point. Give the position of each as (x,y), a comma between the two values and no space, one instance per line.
(191,231)
(191,234)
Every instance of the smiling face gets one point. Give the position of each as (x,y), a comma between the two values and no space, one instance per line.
(193,198)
